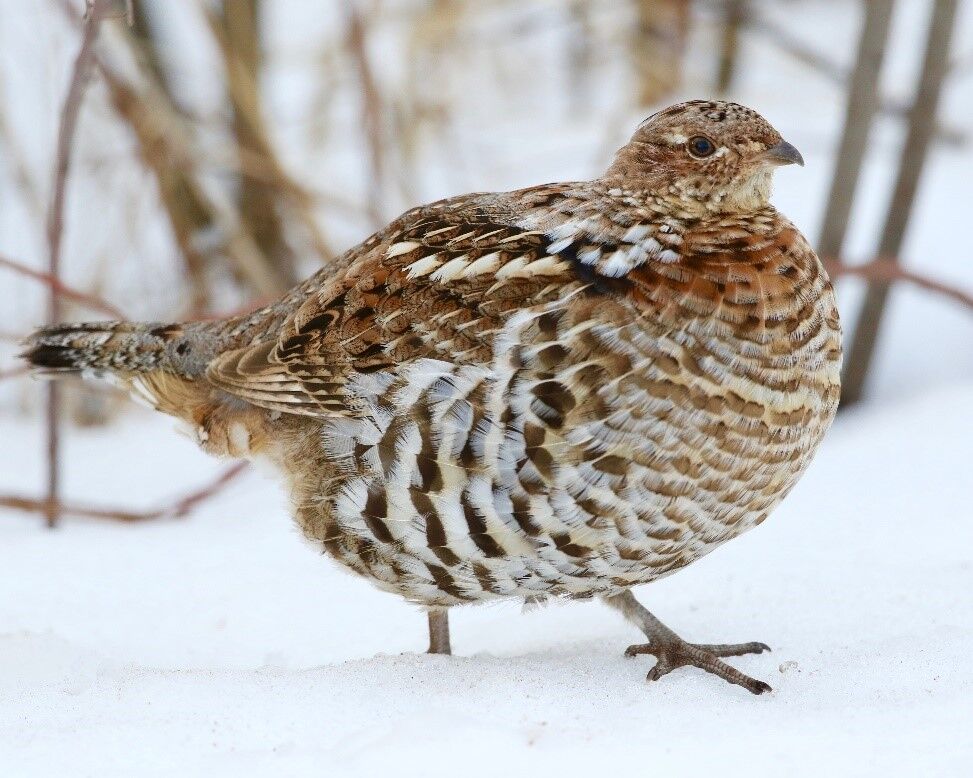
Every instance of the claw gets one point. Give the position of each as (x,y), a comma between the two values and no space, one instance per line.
(759,687)
(706,657)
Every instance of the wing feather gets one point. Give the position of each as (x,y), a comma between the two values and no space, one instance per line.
(436,287)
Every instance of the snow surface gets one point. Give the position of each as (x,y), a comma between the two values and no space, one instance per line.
(224,645)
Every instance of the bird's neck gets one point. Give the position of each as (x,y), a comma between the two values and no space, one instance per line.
(692,196)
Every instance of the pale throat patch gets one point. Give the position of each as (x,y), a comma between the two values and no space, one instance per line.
(753,192)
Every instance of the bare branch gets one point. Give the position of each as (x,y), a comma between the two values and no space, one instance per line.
(178,508)
(30,505)
(61,289)
(166,145)
(185,505)
(888,270)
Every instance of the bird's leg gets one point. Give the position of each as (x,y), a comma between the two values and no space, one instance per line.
(439,632)
(671,651)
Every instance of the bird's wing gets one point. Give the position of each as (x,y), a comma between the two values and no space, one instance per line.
(437,287)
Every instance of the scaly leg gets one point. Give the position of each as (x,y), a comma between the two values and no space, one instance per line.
(439,632)
(671,651)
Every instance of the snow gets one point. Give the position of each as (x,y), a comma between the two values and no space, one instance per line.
(223,645)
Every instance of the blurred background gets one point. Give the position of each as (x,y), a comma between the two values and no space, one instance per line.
(224,150)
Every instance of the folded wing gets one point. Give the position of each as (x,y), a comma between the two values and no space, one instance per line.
(439,287)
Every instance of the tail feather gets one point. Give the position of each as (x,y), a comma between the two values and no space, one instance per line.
(114,346)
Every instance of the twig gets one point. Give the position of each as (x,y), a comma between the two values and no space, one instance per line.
(889,270)
(96,11)
(61,289)
(167,146)
(184,505)
(177,508)
(30,505)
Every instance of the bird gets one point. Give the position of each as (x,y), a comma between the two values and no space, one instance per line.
(559,392)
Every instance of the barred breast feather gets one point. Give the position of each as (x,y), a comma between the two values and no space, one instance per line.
(553,392)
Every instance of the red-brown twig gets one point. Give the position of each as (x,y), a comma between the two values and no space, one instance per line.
(96,10)
(66,292)
(184,505)
(887,270)
(30,505)
(177,508)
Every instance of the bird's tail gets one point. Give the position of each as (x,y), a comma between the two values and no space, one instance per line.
(118,347)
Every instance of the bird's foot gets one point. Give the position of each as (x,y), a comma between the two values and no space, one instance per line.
(678,653)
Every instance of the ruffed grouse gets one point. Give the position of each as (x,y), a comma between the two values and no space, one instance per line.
(562,391)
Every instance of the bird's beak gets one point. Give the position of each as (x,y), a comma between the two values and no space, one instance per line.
(783,153)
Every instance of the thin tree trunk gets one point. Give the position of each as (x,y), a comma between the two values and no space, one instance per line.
(921,129)
(863,103)
(258,198)
(778,35)
(733,15)
(659,43)
(188,216)
(371,114)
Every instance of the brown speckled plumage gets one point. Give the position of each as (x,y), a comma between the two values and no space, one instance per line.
(565,390)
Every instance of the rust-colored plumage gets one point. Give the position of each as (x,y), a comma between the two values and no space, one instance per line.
(566,390)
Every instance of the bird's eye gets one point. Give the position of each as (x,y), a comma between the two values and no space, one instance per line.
(700,146)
